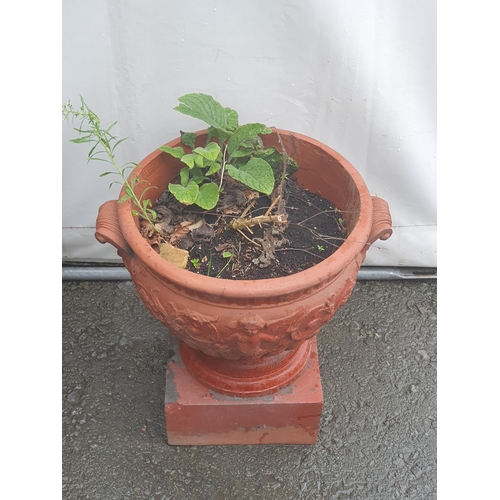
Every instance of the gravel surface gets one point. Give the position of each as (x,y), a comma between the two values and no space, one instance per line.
(378,431)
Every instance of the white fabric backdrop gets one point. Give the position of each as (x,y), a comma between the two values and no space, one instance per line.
(357,75)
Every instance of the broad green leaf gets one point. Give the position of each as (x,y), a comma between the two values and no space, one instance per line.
(213,167)
(244,133)
(275,159)
(177,152)
(256,174)
(188,138)
(272,156)
(184,173)
(199,160)
(242,153)
(205,108)
(185,194)
(188,160)
(208,196)
(231,118)
(197,176)
(210,152)
(213,133)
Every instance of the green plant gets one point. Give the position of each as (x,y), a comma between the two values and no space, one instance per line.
(320,248)
(228,256)
(230,149)
(108,142)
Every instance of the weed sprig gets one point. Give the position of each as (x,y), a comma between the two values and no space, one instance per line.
(104,144)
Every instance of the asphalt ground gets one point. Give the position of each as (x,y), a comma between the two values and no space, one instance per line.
(378,429)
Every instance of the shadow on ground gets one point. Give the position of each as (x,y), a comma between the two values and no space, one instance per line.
(378,431)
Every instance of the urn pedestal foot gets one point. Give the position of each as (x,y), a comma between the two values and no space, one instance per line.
(197,415)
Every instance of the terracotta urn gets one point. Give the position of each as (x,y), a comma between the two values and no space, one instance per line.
(242,337)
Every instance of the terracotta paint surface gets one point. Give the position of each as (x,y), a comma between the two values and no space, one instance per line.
(246,377)
(196,415)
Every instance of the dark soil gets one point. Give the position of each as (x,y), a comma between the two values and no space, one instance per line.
(314,230)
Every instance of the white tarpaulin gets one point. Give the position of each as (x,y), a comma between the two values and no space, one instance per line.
(359,76)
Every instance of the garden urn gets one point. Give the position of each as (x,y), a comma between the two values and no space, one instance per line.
(246,368)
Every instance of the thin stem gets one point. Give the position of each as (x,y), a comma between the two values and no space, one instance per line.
(209,264)
(227,264)
(223,166)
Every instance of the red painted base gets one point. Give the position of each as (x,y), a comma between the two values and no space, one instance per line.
(196,415)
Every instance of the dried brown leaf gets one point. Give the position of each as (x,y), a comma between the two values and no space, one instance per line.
(251,195)
(179,233)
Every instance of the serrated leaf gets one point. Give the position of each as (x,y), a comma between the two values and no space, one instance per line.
(205,108)
(208,196)
(184,173)
(197,176)
(177,152)
(185,194)
(188,138)
(242,153)
(188,160)
(213,133)
(272,156)
(210,152)
(244,133)
(256,174)
(231,119)
(213,167)
(199,160)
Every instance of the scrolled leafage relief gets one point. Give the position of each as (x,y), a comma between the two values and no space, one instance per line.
(311,323)
(197,330)
(247,336)
(251,335)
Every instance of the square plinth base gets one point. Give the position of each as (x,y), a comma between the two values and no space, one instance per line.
(196,415)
